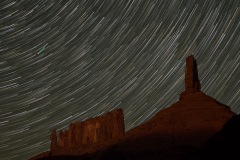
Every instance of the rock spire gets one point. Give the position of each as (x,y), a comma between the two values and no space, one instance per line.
(192,83)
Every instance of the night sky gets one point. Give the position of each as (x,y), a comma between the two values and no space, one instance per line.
(63,61)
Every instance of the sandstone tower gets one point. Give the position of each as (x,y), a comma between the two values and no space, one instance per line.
(192,83)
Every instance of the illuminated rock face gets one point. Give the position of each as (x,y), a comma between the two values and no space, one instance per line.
(82,135)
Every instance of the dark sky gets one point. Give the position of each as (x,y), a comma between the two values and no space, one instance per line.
(63,61)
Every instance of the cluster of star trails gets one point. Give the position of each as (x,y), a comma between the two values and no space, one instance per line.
(66,61)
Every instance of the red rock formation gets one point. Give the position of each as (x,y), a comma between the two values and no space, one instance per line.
(53,139)
(83,135)
(194,115)
(170,134)
(192,83)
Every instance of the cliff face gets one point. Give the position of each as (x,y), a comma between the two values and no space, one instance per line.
(82,135)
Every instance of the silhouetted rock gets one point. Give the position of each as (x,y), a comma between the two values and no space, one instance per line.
(224,144)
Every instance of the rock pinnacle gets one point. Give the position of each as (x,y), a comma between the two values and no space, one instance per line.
(192,83)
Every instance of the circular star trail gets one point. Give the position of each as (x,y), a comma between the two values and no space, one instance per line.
(65,61)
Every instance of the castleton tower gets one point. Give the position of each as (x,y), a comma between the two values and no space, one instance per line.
(192,83)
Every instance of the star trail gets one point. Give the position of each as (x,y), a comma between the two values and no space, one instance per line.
(65,61)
